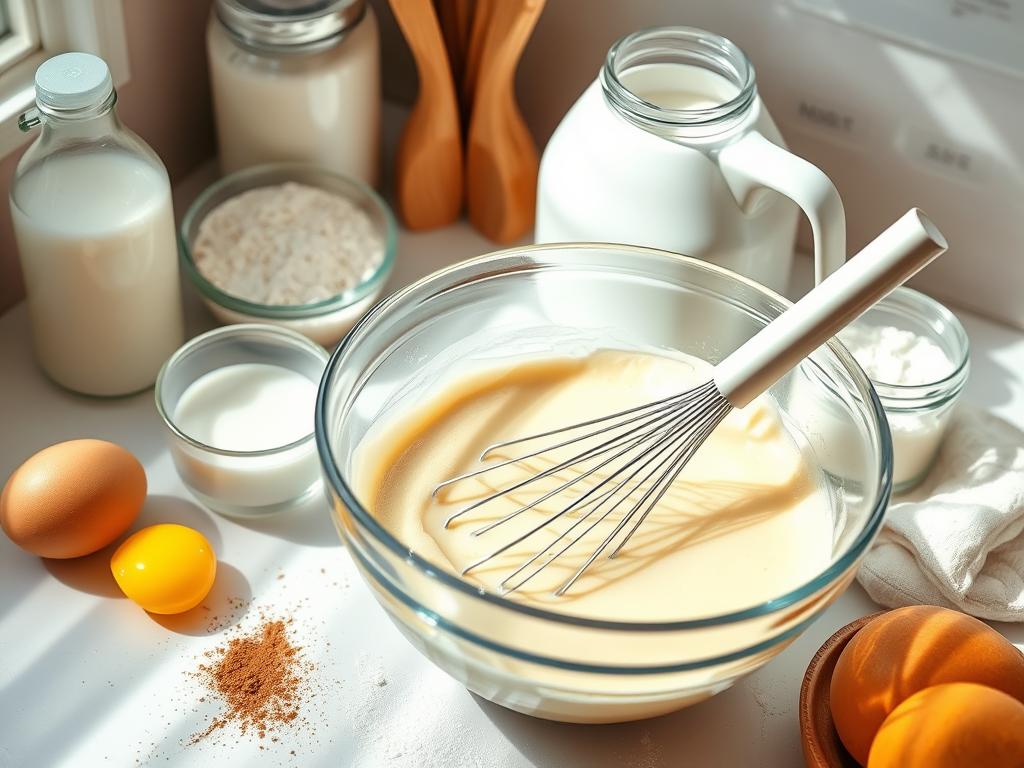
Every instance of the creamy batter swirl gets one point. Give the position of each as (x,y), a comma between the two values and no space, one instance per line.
(744,522)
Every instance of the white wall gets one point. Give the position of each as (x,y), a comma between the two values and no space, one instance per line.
(898,98)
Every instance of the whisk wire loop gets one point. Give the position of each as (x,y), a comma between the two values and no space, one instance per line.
(676,458)
(690,444)
(659,440)
(668,436)
(576,504)
(585,455)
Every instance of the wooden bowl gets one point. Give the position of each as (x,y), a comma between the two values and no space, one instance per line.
(822,747)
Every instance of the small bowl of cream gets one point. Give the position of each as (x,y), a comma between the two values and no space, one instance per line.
(917,355)
(291,245)
(238,405)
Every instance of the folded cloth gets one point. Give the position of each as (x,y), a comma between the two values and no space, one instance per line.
(957,540)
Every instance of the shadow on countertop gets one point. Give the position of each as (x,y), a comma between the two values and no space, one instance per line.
(308,523)
(226,605)
(91,574)
(662,742)
(174,509)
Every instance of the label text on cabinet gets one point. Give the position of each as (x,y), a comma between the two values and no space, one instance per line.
(823,117)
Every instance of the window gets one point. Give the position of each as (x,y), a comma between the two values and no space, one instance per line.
(19,34)
(33,30)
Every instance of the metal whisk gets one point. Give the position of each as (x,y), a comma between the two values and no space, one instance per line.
(628,460)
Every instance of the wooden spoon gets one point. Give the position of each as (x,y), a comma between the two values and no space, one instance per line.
(501,158)
(429,165)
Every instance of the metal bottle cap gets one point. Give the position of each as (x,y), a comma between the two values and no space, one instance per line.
(295,24)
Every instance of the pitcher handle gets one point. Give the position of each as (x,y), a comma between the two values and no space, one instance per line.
(754,162)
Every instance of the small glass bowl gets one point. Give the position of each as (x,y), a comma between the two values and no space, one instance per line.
(241,483)
(326,321)
(918,414)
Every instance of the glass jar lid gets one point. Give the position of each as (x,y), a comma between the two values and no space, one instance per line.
(289,24)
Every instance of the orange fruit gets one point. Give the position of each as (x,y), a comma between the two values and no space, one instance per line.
(907,650)
(952,726)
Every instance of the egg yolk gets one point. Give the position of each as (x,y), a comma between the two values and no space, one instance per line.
(165,568)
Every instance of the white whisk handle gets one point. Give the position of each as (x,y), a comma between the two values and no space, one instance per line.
(885,263)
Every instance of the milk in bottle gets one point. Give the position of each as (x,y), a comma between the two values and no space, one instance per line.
(91,205)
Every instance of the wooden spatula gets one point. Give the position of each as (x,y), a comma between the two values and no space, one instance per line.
(474,52)
(501,157)
(456,17)
(429,165)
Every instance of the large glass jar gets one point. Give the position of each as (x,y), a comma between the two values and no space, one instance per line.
(91,206)
(671,147)
(296,80)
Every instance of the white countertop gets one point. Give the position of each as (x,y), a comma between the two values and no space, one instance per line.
(87,678)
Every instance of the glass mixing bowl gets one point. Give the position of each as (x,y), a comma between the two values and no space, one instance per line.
(630,297)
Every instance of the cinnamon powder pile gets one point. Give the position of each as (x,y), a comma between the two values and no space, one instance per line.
(260,678)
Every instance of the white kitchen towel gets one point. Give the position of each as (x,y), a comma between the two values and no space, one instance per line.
(957,540)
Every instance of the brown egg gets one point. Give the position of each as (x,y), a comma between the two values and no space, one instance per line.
(907,650)
(72,498)
(952,726)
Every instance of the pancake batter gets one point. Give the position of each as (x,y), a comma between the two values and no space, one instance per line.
(746,520)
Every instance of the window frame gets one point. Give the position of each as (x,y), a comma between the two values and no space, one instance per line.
(44,29)
(23,37)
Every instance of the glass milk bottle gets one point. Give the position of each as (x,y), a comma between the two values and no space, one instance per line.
(296,81)
(91,205)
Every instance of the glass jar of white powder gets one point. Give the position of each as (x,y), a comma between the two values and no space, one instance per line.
(296,80)
(916,354)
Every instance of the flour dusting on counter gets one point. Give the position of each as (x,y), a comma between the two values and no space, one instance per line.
(412,720)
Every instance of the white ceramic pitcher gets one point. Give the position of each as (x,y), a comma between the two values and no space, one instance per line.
(672,148)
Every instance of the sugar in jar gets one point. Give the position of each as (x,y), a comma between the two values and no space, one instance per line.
(296,81)
(917,355)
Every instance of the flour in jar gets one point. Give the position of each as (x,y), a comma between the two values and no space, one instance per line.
(896,356)
(287,244)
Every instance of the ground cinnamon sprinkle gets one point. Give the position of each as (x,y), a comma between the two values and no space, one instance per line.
(259,677)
